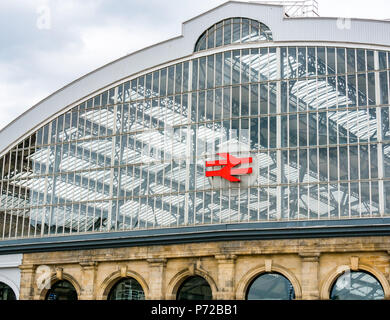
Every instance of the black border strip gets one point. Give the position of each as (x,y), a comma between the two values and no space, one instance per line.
(204,233)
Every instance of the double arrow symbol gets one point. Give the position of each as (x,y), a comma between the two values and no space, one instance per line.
(227,172)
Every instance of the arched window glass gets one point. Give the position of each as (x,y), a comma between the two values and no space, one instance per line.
(194,288)
(6,293)
(62,290)
(233,30)
(357,285)
(127,289)
(271,286)
(80,173)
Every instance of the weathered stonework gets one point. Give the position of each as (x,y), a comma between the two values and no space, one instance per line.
(311,265)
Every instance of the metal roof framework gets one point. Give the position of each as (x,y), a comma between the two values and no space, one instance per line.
(169,208)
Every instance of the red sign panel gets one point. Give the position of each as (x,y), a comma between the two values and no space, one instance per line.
(227,172)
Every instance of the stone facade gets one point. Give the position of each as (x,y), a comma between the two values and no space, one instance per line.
(311,265)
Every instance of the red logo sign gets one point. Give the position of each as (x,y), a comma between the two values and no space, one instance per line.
(227,172)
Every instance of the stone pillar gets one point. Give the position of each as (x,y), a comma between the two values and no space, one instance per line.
(310,276)
(157,276)
(226,275)
(27,282)
(88,279)
(388,268)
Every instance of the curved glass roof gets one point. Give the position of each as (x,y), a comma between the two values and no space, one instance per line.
(233,30)
(132,157)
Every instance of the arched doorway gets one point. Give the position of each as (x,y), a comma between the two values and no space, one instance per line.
(194,288)
(270,286)
(357,285)
(6,293)
(62,290)
(126,289)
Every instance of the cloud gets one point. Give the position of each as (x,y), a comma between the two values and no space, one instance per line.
(19,97)
(83,35)
(86,34)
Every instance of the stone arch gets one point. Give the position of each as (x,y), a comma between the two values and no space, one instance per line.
(113,278)
(246,280)
(336,272)
(54,279)
(178,279)
(11,284)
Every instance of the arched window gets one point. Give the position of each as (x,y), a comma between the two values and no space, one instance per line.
(127,289)
(271,286)
(233,30)
(194,288)
(62,290)
(6,293)
(357,285)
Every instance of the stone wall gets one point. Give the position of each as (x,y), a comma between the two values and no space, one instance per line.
(311,265)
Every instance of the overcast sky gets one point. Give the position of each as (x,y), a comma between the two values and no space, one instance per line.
(45,44)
